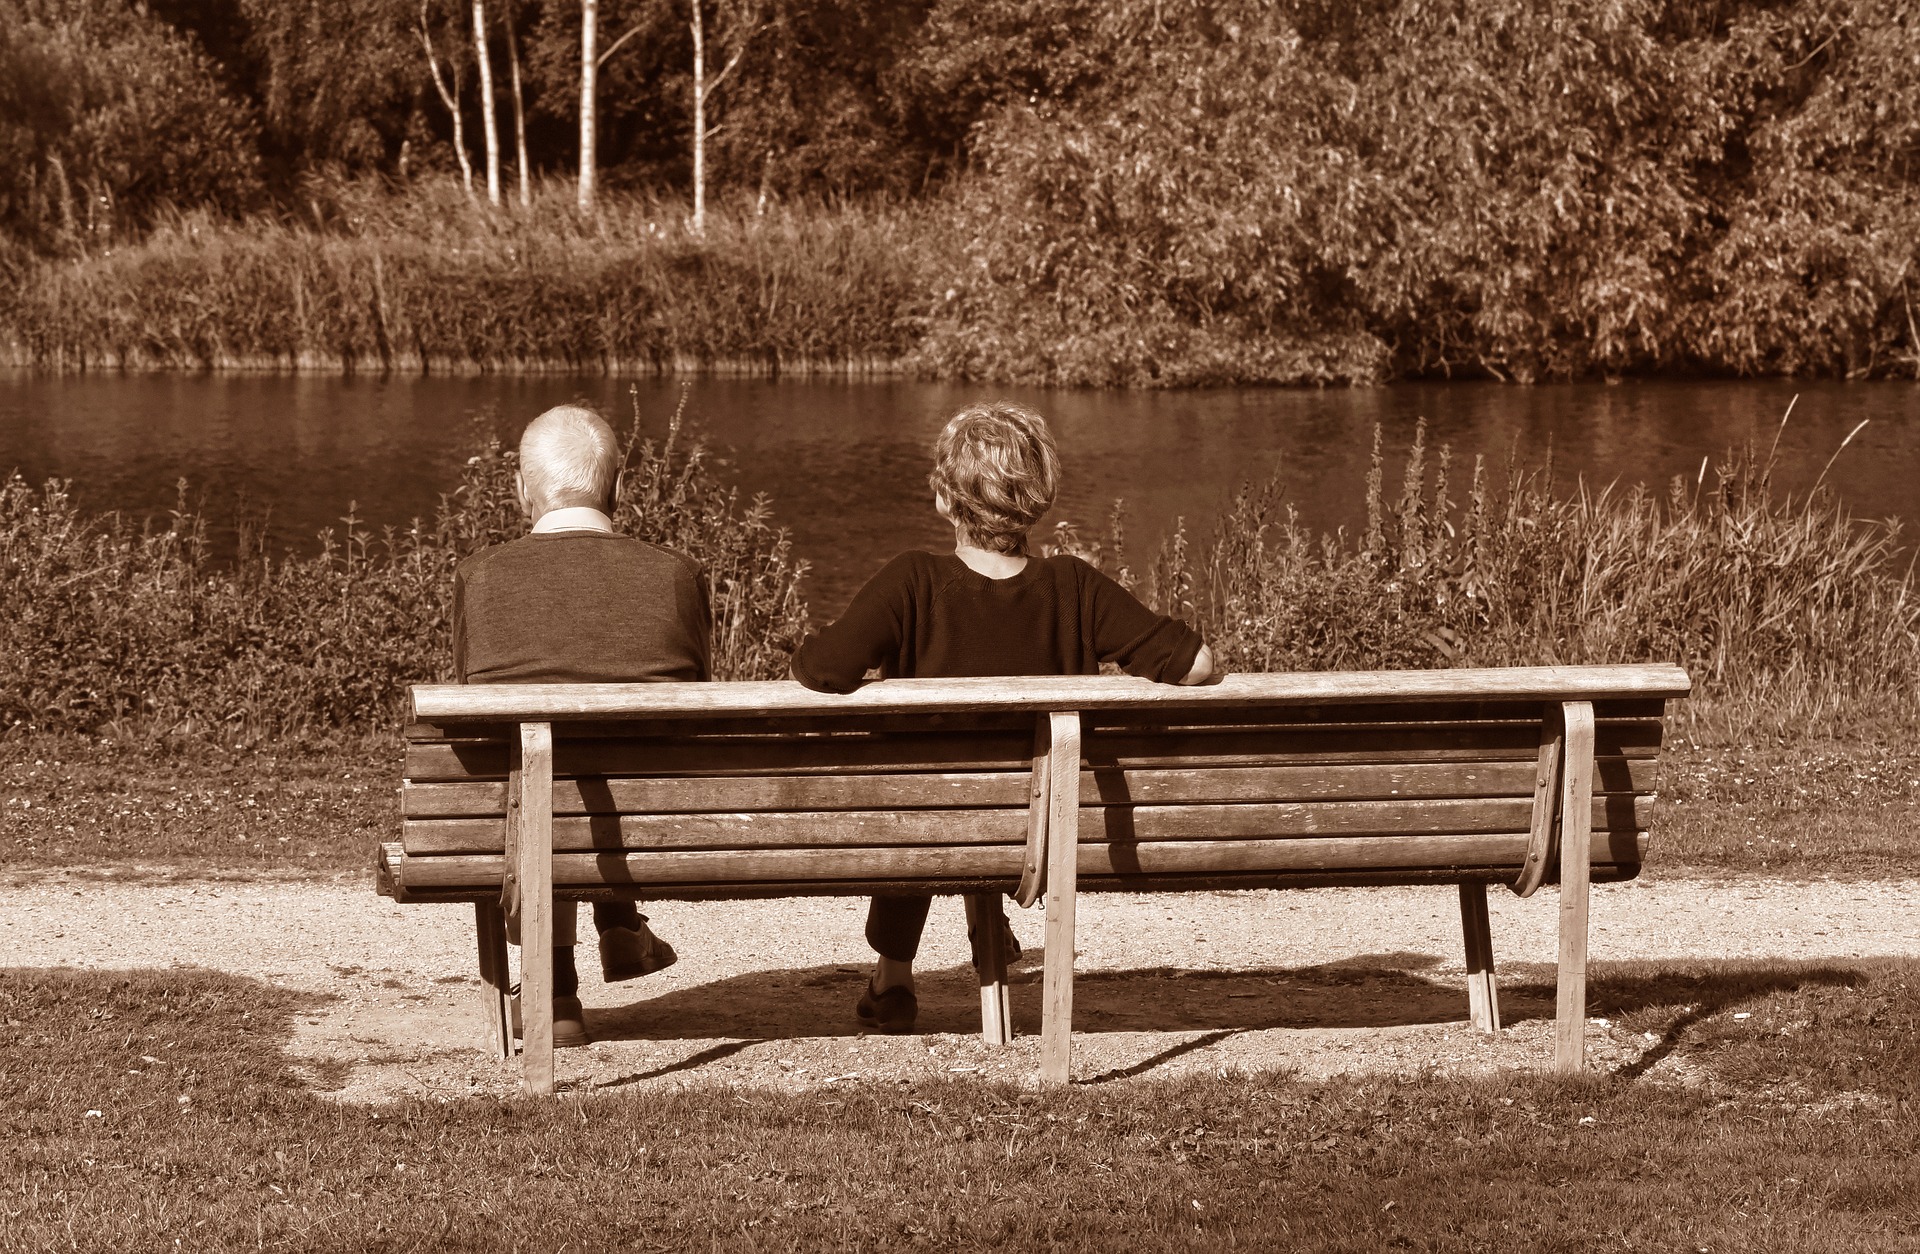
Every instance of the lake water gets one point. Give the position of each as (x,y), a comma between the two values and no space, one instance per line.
(846,462)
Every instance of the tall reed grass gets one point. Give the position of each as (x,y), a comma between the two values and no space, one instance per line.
(1793,617)
(142,633)
(431,281)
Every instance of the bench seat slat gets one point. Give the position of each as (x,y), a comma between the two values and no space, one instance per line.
(1513,742)
(392,857)
(565,702)
(1403,714)
(932,790)
(1410,714)
(1491,742)
(1000,864)
(1145,823)
(792,755)
(821,829)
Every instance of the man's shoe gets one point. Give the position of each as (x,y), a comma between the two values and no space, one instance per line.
(1009,943)
(569,1022)
(628,953)
(892,1012)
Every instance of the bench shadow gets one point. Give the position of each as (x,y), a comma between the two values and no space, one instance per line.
(1692,992)
(724,1049)
(1377,990)
(1383,990)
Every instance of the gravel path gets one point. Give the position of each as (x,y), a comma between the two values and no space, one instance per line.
(1324,982)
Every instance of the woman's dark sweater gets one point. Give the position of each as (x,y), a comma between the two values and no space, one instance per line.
(931,616)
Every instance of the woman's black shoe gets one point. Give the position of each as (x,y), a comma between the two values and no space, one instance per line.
(892,1012)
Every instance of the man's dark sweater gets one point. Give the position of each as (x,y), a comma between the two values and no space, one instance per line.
(579,607)
(926,615)
(572,607)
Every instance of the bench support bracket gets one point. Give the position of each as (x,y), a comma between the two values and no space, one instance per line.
(1549,768)
(987,926)
(1063,869)
(490,922)
(1483,995)
(1033,871)
(1576,855)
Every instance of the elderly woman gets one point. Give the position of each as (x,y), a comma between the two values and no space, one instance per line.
(988,608)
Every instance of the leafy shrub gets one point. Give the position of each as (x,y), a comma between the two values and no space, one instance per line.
(106,114)
(139,632)
(1237,192)
(1791,616)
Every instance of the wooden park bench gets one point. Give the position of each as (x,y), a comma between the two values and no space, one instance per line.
(517,794)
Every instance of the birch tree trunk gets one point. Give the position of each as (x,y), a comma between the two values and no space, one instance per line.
(699,122)
(739,28)
(589,68)
(488,118)
(519,115)
(449,98)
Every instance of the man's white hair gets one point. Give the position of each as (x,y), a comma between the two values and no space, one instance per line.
(568,456)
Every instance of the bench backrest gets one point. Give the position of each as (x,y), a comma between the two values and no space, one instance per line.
(758,789)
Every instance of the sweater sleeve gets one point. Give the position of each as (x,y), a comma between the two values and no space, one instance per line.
(459,625)
(838,657)
(696,609)
(1126,632)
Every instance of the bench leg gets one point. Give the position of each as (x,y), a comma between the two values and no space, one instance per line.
(1483,995)
(1063,869)
(1576,852)
(987,925)
(535,762)
(490,921)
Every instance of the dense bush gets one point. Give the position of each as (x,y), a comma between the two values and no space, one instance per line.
(1792,617)
(140,633)
(108,113)
(1241,192)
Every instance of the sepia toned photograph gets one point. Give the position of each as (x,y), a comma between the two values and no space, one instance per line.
(868,625)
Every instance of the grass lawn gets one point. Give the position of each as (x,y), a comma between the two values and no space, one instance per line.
(1821,808)
(1814,809)
(76,803)
(156,1111)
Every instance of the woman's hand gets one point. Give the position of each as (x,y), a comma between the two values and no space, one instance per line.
(1202,667)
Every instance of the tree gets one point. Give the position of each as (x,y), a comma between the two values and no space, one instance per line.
(337,81)
(589,68)
(489,124)
(519,111)
(448,96)
(590,63)
(744,21)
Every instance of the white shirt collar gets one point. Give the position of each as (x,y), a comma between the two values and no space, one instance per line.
(573,518)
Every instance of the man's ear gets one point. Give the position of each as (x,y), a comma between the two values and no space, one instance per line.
(619,487)
(942,506)
(520,493)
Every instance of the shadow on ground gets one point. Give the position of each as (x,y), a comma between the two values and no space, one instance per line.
(1368,991)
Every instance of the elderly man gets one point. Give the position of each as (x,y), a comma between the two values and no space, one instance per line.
(576,602)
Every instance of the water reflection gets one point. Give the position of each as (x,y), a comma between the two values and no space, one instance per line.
(846,462)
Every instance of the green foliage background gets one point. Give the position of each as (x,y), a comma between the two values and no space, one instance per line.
(1108,192)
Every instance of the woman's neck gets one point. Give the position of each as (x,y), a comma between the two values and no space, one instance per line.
(992,564)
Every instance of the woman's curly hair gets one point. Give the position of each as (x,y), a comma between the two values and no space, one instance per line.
(998,468)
